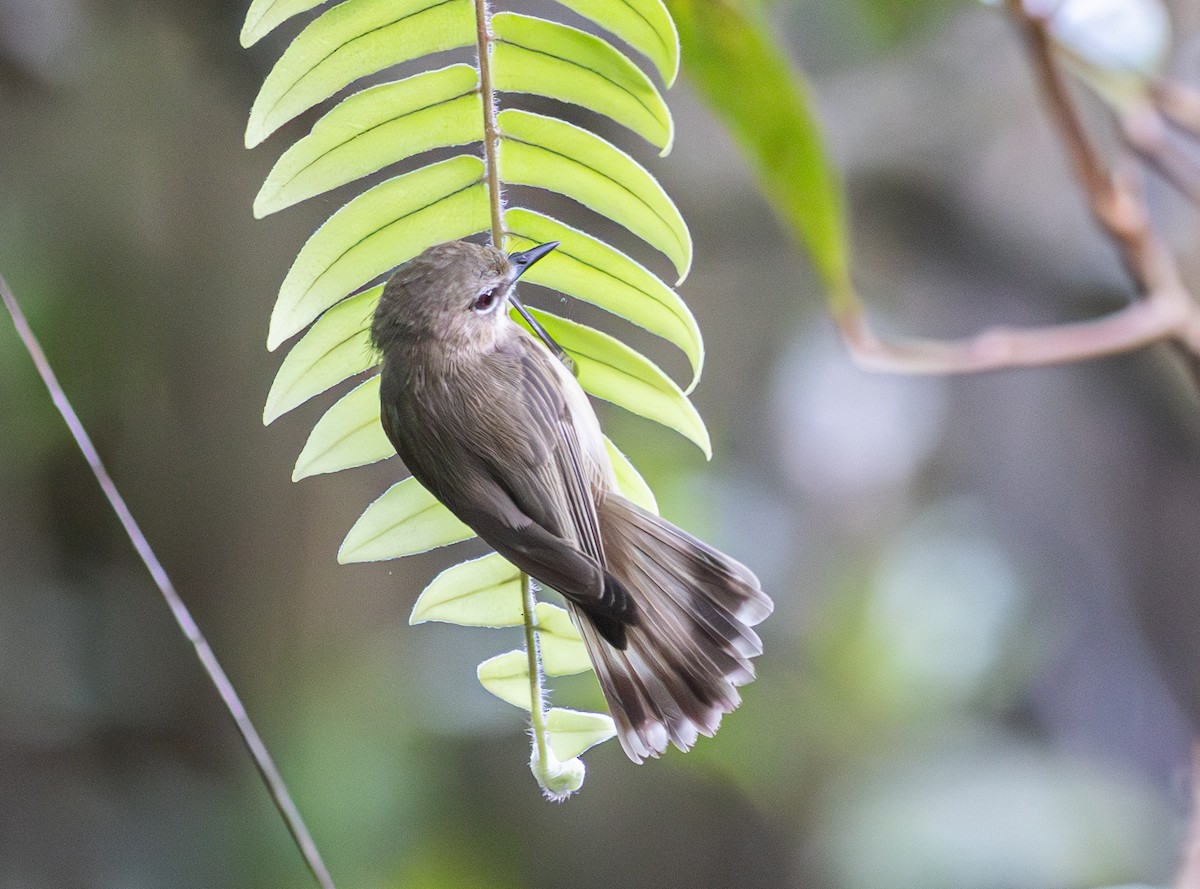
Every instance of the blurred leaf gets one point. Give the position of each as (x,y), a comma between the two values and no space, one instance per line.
(545,58)
(547,153)
(336,347)
(643,24)
(374,128)
(405,520)
(562,649)
(589,269)
(350,434)
(507,677)
(609,369)
(747,81)
(572,732)
(482,592)
(379,229)
(349,41)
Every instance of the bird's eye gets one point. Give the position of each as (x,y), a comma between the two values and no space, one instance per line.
(486,301)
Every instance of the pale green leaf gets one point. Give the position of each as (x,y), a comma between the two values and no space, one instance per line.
(643,24)
(379,229)
(479,593)
(561,647)
(588,269)
(373,129)
(349,41)
(348,435)
(544,58)
(573,731)
(407,519)
(507,677)
(629,480)
(336,347)
(548,153)
(265,15)
(736,64)
(609,369)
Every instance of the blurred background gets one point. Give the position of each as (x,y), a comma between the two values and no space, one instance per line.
(982,668)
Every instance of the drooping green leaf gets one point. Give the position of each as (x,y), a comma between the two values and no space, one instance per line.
(482,592)
(507,677)
(548,153)
(573,731)
(629,480)
(349,41)
(265,15)
(562,649)
(588,269)
(739,69)
(643,24)
(405,520)
(544,58)
(379,229)
(348,435)
(336,347)
(609,369)
(373,129)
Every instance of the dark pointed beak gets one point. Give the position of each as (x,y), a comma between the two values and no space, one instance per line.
(521,263)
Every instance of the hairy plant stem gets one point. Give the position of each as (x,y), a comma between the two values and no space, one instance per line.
(229,696)
(491,133)
(491,161)
(537,693)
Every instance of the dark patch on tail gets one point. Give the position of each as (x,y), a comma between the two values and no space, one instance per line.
(611,613)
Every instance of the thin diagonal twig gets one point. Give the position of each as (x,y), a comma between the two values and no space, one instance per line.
(233,703)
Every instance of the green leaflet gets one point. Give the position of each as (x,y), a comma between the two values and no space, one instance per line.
(349,434)
(629,480)
(562,648)
(405,520)
(507,677)
(737,66)
(573,731)
(478,593)
(548,153)
(563,653)
(379,229)
(349,41)
(374,128)
(643,24)
(590,270)
(548,59)
(609,369)
(265,15)
(336,347)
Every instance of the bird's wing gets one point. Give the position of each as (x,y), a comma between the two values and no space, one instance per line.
(553,481)
(512,468)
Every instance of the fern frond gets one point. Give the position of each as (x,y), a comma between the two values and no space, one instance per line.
(332,287)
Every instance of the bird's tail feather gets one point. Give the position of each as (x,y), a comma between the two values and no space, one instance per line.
(690,639)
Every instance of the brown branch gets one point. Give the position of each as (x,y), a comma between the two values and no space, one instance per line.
(1163,311)
(1139,324)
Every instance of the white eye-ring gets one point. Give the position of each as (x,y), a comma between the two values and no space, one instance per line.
(487,301)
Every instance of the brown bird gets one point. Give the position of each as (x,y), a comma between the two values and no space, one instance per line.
(499,430)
